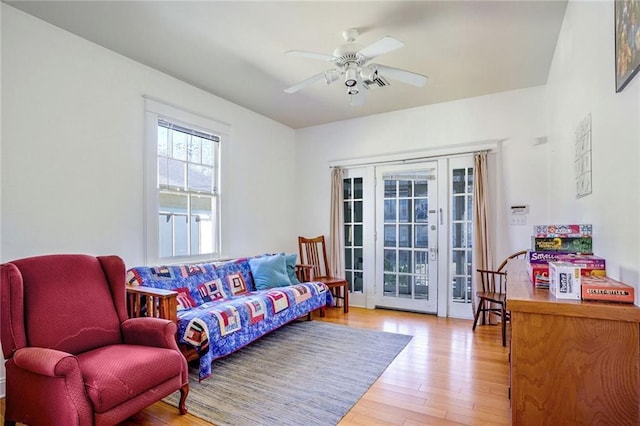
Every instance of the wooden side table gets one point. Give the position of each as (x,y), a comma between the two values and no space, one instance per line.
(572,362)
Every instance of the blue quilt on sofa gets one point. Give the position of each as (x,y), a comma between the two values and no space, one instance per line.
(219,308)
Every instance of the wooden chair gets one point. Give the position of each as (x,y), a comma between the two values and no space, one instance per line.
(492,294)
(517,255)
(313,252)
(492,298)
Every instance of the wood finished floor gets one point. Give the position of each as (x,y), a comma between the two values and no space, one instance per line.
(447,375)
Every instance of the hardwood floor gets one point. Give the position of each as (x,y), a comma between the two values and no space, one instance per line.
(447,375)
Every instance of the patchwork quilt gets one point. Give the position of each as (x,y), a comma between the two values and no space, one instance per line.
(219,308)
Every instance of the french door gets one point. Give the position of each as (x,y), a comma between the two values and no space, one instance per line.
(460,194)
(406,237)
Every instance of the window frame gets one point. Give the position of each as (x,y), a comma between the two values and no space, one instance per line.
(155,110)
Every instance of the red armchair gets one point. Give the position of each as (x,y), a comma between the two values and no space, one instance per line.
(72,356)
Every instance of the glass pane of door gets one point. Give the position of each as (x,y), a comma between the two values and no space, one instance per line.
(407,230)
(353,234)
(461,220)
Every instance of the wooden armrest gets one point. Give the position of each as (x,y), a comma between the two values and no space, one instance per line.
(150,291)
(305,272)
(152,302)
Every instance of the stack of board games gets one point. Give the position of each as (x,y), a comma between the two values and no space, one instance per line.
(562,243)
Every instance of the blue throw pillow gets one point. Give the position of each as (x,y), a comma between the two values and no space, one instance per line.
(269,271)
(291,268)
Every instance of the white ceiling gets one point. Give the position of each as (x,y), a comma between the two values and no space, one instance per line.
(235,49)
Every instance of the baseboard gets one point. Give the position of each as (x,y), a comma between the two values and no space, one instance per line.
(2,387)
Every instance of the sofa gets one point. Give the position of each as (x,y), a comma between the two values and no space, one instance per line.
(221,307)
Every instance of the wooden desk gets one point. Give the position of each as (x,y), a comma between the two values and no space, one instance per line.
(572,362)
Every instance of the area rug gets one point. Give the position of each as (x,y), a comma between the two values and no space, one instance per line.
(305,373)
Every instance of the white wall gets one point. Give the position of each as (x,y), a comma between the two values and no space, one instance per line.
(516,118)
(72,151)
(581,82)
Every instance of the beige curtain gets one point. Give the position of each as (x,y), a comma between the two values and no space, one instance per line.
(336,237)
(482,258)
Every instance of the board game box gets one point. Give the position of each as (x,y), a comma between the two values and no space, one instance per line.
(606,289)
(564,280)
(543,257)
(584,260)
(566,231)
(539,274)
(570,244)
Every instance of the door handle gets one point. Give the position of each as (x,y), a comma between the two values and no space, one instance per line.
(433,253)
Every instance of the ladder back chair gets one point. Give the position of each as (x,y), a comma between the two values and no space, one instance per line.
(313,252)
(492,294)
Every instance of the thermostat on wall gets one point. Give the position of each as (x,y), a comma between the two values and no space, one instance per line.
(519,215)
(524,209)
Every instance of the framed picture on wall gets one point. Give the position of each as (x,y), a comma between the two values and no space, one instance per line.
(627,41)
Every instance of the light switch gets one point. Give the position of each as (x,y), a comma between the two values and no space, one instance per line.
(518,219)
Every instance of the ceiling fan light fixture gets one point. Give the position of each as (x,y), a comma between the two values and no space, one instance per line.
(331,76)
(353,90)
(350,35)
(369,73)
(351,75)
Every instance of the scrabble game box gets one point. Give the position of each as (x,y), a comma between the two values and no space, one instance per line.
(606,289)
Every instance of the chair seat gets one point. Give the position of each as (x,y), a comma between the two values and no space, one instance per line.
(331,281)
(137,370)
(492,297)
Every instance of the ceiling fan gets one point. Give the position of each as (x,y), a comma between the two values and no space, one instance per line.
(351,61)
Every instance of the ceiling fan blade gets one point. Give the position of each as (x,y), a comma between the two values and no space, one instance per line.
(308,82)
(380,47)
(404,76)
(311,55)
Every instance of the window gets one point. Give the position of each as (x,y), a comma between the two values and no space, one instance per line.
(182,184)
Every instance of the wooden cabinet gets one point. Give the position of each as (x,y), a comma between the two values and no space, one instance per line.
(572,362)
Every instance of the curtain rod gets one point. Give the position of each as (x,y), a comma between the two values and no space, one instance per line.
(408,160)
